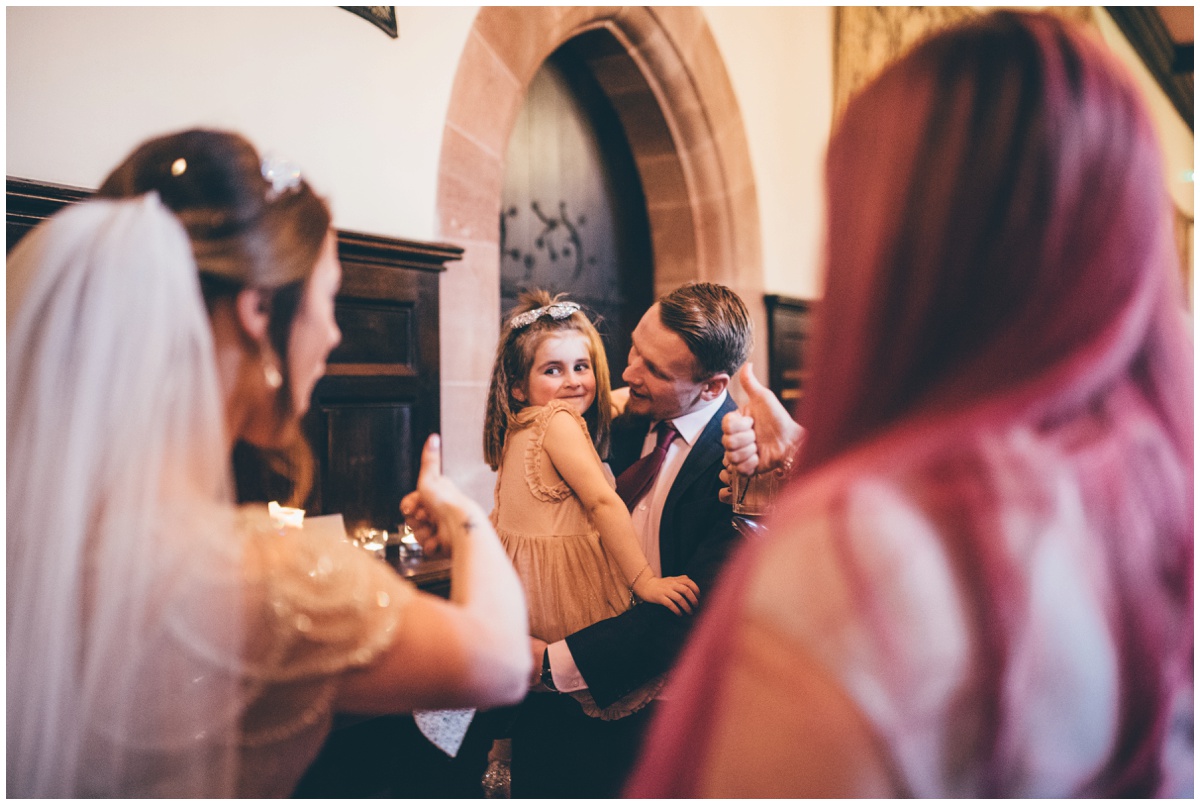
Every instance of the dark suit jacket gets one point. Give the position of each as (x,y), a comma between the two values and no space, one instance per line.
(617,655)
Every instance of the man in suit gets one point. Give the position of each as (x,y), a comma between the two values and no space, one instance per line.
(685,350)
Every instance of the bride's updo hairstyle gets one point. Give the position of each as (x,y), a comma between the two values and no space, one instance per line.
(246,231)
(133,595)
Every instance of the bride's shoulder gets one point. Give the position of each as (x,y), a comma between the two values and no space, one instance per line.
(313,607)
(308,585)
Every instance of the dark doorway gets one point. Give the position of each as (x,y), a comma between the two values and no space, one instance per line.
(574,217)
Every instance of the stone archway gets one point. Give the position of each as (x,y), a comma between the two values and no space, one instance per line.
(663,72)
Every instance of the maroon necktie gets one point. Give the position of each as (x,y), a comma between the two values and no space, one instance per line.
(639,476)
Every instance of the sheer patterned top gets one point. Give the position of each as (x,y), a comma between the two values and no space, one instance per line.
(315,608)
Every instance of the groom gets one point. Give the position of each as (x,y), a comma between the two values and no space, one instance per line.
(685,350)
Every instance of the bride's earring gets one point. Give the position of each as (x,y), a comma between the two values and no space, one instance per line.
(271,373)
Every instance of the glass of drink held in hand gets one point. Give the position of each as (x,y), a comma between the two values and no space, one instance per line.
(753,495)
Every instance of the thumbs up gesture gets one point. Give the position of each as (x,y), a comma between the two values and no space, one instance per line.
(761,435)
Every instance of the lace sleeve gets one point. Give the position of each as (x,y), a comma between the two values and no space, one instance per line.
(317,607)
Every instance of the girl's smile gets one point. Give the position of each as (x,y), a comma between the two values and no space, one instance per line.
(562,370)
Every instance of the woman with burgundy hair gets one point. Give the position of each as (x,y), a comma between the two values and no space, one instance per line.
(980,584)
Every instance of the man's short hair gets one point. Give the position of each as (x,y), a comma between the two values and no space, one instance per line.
(714,323)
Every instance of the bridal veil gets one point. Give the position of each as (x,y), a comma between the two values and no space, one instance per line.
(124,619)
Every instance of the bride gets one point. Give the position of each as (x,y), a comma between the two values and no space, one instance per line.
(162,641)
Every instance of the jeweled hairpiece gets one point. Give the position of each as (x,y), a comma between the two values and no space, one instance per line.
(556,311)
(283,176)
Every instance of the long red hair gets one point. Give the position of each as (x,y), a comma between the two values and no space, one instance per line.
(999,254)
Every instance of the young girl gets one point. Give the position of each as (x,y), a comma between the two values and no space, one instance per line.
(562,523)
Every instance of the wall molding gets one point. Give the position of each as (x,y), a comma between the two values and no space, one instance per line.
(29,202)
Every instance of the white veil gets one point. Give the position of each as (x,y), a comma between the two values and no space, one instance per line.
(124,609)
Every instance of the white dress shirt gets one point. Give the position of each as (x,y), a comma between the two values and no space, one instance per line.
(647,516)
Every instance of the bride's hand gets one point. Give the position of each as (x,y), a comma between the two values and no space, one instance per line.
(435,501)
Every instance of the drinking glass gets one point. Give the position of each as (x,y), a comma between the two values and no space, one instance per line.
(754,495)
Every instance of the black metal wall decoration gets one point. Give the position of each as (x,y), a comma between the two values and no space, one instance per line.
(559,237)
(382,16)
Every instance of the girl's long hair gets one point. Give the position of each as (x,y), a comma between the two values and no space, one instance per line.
(999,255)
(514,361)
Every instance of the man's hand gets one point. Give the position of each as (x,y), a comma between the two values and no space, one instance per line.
(761,435)
(537,648)
(725,493)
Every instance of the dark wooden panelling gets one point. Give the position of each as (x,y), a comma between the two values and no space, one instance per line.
(788,324)
(367,446)
(366,432)
(374,333)
(29,203)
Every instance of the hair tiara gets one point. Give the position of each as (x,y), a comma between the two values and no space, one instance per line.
(556,311)
(283,175)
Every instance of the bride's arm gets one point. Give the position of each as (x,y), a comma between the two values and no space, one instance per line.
(472,650)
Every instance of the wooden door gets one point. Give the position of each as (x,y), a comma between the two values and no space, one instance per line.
(574,215)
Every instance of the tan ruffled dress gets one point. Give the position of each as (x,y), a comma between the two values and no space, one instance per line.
(570,580)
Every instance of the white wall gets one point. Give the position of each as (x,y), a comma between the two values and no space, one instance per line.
(780,61)
(360,112)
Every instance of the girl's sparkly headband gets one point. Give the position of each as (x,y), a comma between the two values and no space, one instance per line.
(556,311)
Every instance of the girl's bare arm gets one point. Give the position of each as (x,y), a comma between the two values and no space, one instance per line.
(575,459)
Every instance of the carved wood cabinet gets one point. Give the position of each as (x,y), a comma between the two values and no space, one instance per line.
(380,397)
